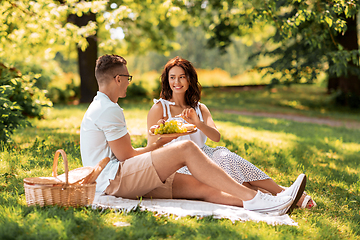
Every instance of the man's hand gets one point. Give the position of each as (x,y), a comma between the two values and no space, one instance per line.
(164,140)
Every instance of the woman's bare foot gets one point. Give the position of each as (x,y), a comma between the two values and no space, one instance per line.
(306,202)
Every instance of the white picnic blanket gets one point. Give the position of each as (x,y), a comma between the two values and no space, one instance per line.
(182,208)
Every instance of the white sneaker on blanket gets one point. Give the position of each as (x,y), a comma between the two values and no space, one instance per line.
(266,203)
(295,191)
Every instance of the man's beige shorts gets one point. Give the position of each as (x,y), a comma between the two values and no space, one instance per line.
(137,177)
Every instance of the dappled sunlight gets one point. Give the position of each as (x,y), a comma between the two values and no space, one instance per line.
(334,200)
(281,148)
(353,147)
(136,121)
(307,100)
(68,124)
(293,104)
(273,139)
(339,145)
(61,119)
(64,111)
(351,171)
(5,161)
(272,121)
(137,127)
(63,123)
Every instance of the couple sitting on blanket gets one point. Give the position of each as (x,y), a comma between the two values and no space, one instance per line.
(183,169)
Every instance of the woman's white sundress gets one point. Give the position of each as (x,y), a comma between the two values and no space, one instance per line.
(237,167)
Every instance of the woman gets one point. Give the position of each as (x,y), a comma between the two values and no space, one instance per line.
(179,100)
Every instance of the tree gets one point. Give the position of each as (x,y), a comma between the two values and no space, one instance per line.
(147,25)
(34,30)
(40,29)
(194,47)
(29,31)
(86,58)
(303,37)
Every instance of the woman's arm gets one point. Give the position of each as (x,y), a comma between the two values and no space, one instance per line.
(154,115)
(207,127)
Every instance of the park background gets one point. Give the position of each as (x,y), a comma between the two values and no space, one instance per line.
(265,66)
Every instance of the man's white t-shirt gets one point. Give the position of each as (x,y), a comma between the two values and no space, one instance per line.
(103,121)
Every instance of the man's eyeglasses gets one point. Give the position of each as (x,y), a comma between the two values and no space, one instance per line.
(129,76)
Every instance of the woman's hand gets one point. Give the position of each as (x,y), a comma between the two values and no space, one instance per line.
(207,126)
(189,115)
(161,121)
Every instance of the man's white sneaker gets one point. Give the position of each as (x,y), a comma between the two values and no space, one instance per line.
(266,203)
(295,191)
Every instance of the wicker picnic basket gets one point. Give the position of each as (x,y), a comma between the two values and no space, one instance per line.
(53,191)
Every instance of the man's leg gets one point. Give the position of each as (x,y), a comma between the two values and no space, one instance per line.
(169,159)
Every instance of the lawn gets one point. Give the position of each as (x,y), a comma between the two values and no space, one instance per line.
(306,100)
(282,148)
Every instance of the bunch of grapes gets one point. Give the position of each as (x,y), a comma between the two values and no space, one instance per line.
(171,126)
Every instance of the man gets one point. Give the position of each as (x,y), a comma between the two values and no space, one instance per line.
(151,171)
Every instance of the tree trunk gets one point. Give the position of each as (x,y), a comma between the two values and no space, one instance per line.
(333,84)
(349,85)
(87,60)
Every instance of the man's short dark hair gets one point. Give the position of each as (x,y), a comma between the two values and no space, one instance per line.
(107,64)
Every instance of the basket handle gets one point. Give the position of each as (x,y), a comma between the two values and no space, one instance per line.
(55,164)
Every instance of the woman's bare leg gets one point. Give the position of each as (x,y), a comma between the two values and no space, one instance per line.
(268,185)
(168,159)
(187,187)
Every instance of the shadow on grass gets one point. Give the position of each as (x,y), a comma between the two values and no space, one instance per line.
(52,222)
(318,149)
(311,141)
(332,179)
(298,99)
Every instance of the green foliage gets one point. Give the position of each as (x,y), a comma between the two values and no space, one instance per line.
(147,25)
(20,98)
(43,71)
(194,48)
(303,38)
(137,90)
(39,28)
(309,41)
(48,76)
(64,94)
(32,32)
(11,117)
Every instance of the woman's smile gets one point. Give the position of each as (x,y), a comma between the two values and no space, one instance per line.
(178,87)
(177,79)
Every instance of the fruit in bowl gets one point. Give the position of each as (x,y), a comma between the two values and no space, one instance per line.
(171,126)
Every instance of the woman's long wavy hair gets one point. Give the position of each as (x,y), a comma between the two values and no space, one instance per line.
(193,94)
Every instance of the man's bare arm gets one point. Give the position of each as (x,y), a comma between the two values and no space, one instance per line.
(123,149)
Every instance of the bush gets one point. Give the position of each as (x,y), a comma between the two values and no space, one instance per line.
(136,90)
(44,71)
(10,112)
(19,99)
(64,89)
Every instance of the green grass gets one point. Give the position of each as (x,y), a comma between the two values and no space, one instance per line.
(282,148)
(307,100)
